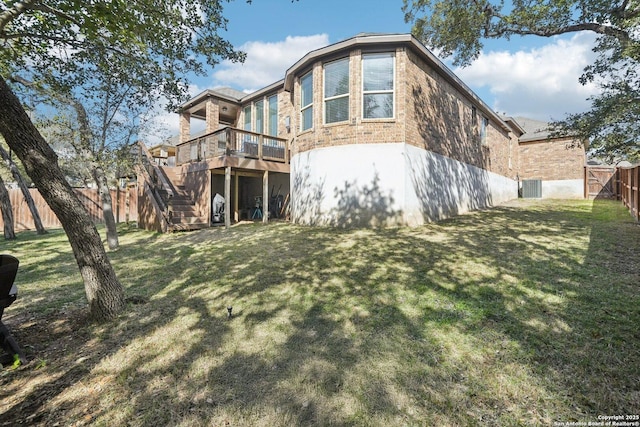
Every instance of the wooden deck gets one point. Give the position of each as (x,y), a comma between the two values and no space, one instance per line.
(234,143)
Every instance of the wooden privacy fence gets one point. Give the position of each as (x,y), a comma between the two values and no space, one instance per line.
(125,207)
(599,182)
(628,182)
(618,183)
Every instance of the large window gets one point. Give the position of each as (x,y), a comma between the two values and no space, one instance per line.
(259,106)
(273,115)
(336,91)
(306,101)
(247,117)
(377,85)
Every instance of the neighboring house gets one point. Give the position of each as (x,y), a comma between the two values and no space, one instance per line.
(557,162)
(373,130)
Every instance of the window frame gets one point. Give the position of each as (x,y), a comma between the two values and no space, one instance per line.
(247,111)
(305,107)
(270,131)
(258,106)
(391,91)
(484,130)
(326,100)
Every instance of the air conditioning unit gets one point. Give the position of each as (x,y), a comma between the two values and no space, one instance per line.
(532,189)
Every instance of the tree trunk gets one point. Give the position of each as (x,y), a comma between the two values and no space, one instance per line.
(7,212)
(25,191)
(107,207)
(104,292)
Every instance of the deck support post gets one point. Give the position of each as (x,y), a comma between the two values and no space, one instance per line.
(227,197)
(236,215)
(265,197)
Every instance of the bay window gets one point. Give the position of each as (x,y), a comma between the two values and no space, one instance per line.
(306,101)
(336,91)
(378,85)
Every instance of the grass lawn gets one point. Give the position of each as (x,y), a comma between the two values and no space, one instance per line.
(527,314)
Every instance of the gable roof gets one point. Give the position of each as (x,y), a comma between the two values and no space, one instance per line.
(534,130)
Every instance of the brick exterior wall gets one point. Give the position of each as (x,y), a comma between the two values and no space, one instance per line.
(553,159)
(429,114)
(440,119)
(356,130)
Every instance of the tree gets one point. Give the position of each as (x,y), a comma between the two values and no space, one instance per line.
(458,28)
(59,44)
(17,177)
(7,212)
(93,137)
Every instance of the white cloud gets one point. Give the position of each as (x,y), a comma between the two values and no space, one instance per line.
(163,124)
(266,63)
(540,83)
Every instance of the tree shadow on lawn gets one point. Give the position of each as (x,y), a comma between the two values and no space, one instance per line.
(484,318)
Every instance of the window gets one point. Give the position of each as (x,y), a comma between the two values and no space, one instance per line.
(273,115)
(483,130)
(247,117)
(259,106)
(336,91)
(306,101)
(377,86)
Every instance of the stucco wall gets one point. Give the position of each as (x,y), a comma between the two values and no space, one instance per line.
(563,189)
(388,184)
(438,187)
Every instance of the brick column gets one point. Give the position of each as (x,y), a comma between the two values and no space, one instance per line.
(185,126)
(213,115)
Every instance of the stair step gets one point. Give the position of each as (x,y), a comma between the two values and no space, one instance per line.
(184,214)
(189,220)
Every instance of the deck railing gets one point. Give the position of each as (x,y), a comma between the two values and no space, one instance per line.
(233,142)
(154,182)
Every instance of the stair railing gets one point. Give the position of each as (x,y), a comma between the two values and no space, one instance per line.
(156,183)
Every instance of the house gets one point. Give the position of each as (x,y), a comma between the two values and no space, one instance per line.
(370,131)
(556,162)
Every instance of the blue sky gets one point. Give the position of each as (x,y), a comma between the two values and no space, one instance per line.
(525,76)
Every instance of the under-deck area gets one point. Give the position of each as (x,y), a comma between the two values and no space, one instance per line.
(236,175)
(246,198)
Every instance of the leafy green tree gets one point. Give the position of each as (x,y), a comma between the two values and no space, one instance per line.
(60,44)
(458,28)
(93,124)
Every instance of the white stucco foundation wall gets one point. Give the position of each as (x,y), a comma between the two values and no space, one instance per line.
(387,184)
(348,185)
(438,187)
(563,189)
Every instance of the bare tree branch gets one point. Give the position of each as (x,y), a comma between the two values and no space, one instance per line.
(12,13)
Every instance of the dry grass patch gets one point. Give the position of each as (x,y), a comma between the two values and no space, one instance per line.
(520,315)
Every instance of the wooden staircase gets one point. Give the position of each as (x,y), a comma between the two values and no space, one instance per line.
(184,215)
